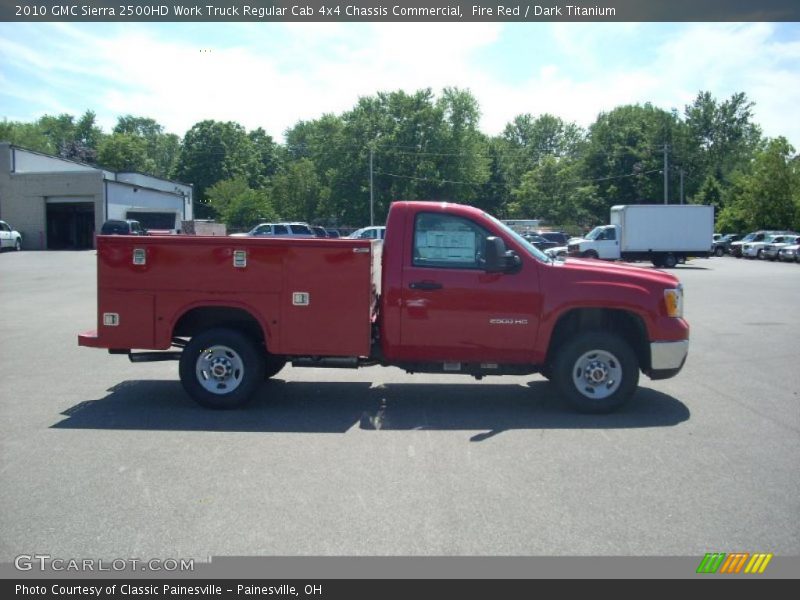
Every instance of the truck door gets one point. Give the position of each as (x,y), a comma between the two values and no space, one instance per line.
(452,310)
(608,243)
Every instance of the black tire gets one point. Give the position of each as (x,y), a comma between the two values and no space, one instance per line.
(719,251)
(590,254)
(18,245)
(657,261)
(273,365)
(670,260)
(238,357)
(760,254)
(600,351)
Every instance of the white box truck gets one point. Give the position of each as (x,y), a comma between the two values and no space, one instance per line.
(662,233)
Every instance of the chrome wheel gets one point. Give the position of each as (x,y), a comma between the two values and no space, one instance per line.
(219,369)
(597,374)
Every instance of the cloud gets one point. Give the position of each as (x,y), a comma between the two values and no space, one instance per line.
(273,75)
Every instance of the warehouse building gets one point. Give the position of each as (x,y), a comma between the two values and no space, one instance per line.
(57,203)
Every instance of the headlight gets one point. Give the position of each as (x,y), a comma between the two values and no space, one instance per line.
(673,298)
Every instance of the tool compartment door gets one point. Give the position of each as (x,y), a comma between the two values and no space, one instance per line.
(326,298)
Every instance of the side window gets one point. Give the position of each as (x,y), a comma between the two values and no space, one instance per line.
(281,230)
(447,241)
(263,230)
(611,234)
(4,227)
(369,234)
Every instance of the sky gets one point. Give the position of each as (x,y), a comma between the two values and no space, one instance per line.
(273,75)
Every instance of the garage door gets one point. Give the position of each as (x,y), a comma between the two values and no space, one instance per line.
(70,222)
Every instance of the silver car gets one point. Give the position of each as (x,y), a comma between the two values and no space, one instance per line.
(789,253)
(295,230)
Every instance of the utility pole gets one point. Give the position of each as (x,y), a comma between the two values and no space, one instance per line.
(682,198)
(371,189)
(666,184)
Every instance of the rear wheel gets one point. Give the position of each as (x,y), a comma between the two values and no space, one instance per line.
(719,251)
(670,260)
(596,372)
(221,368)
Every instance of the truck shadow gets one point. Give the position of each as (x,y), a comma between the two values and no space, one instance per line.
(336,407)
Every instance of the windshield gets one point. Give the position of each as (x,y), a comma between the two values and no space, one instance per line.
(592,235)
(749,237)
(529,248)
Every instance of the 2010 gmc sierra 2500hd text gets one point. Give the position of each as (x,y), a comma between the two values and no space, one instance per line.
(450,290)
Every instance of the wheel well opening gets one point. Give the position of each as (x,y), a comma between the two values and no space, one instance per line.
(199,319)
(627,325)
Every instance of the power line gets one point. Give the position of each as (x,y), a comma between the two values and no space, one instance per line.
(506,185)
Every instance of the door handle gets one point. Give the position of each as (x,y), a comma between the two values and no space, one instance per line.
(425,285)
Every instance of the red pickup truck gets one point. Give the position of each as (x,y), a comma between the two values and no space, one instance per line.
(450,290)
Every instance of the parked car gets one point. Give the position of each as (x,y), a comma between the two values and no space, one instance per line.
(722,244)
(559,237)
(540,242)
(789,253)
(295,230)
(771,250)
(319,231)
(333,233)
(756,249)
(9,239)
(122,227)
(368,233)
(736,248)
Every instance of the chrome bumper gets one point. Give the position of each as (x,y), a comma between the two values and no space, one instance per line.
(665,356)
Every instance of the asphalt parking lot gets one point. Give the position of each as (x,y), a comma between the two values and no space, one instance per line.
(103,458)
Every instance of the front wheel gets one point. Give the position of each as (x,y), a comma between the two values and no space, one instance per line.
(719,251)
(590,254)
(18,245)
(596,372)
(221,368)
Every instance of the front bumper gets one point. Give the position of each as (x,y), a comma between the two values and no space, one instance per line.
(667,358)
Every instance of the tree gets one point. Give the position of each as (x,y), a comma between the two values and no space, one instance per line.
(238,205)
(162,148)
(526,141)
(26,135)
(767,197)
(298,194)
(624,154)
(722,135)
(214,151)
(125,152)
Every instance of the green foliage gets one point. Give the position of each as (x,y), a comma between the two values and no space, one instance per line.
(235,203)
(162,148)
(298,194)
(428,146)
(214,151)
(125,152)
(768,196)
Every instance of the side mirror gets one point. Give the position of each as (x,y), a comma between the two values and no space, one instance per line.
(497,258)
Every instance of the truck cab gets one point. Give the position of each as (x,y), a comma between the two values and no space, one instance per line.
(601,242)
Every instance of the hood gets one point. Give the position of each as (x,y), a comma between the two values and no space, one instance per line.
(592,268)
